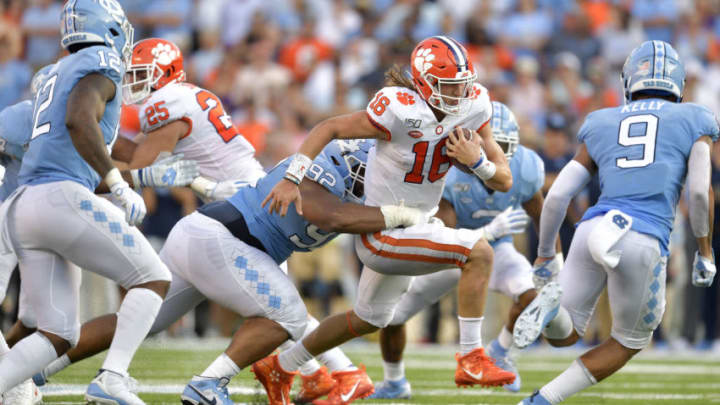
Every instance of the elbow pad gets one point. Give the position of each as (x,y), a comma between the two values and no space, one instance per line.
(571,180)
(698,184)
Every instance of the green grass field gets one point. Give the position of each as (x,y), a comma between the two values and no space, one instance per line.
(163,369)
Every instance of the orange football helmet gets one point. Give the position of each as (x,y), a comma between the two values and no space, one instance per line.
(443,74)
(155,63)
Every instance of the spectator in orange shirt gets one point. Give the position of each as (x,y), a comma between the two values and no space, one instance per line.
(302,54)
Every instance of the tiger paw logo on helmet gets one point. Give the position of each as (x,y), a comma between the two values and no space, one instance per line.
(164,53)
(423,60)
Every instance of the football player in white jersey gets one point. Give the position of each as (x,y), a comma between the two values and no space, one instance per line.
(467,203)
(182,118)
(414,123)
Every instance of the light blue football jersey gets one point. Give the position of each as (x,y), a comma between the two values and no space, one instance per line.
(51,155)
(641,151)
(292,233)
(476,205)
(15,123)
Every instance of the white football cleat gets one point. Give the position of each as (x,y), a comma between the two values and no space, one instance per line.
(537,314)
(111,388)
(25,393)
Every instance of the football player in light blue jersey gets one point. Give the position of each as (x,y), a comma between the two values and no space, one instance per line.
(15,124)
(643,153)
(230,251)
(468,203)
(54,218)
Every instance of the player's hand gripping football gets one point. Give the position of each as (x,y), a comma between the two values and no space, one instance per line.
(464,146)
(703,271)
(281,196)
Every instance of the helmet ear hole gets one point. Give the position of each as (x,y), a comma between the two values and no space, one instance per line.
(114,32)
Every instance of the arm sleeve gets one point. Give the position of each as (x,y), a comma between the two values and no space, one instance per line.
(698,183)
(572,178)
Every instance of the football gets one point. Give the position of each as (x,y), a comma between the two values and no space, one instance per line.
(468,134)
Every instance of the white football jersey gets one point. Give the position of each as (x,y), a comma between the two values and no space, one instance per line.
(410,167)
(220,151)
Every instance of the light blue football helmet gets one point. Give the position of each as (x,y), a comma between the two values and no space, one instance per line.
(97,21)
(349,157)
(505,128)
(653,67)
(39,78)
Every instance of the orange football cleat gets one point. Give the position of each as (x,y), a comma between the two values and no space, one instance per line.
(477,368)
(351,385)
(277,382)
(314,386)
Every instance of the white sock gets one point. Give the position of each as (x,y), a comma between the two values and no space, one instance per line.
(291,360)
(575,379)
(335,360)
(287,345)
(394,371)
(470,334)
(25,359)
(134,319)
(560,327)
(4,348)
(505,338)
(57,366)
(223,366)
(309,367)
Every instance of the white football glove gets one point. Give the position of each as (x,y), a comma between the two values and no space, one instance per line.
(213,190)
(508,222)
(703,271)
(124,197)
(400,215)
(2,174)
(546,272)
(166,171)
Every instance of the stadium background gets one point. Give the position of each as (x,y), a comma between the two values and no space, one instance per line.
(280,66)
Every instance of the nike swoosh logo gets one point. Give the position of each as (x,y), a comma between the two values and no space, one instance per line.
(203,397)
(473,375)
(346,397)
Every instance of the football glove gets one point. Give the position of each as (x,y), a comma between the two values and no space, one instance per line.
(124,197)
(508,222)
(546,272)
(703,271)
(214,190)
(166,171)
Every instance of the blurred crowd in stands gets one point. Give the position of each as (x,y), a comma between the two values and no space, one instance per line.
(281,66)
